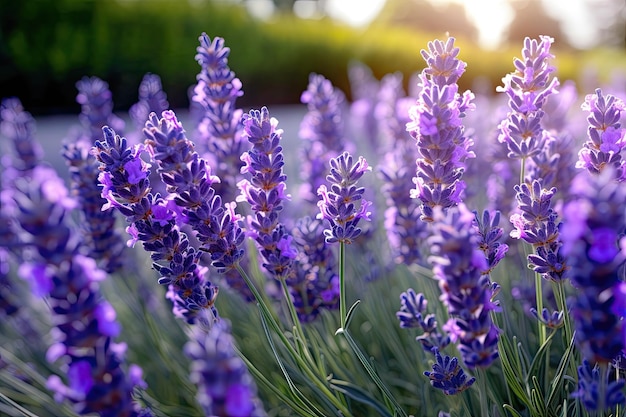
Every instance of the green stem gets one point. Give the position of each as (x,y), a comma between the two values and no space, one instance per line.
(318,380)
(482,394)
(559,294)
(342,285)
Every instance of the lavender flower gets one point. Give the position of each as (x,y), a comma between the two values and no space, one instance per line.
(151,219)
(219,130)
(448,376)
(152,98)
(225,388)
(490,235)
(322,130)
(412,314)
(436,126)
(265,192)
(96,103)
(595,391)
(343,204)
(458,265)
(18,125)
(315,284)
(606,136)
(188,177)
(528,89)
(404,229)
(85,323)
(593,242)
(537,223)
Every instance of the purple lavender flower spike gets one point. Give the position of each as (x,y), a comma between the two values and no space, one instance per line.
(126,187)
(219,130)
(18,125)
(537,224)
(322,131)
(188,177)
(96,381)
(490,236)
(412,314)
(458,265)
(595,391)
(606,136)
(343,204)
(436,125)
(528,89)
(448,376)
(225,387)
(315,284)
(265,191)
(96,102)
(152,98)
(101,238)
(593,242)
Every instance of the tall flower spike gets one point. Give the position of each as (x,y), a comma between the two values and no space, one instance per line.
(458,265)
(96,102)
(594,244)
(219,130)
(265,191)
(188,178)
(343,204)
(537,224)
(152,220)
(606,135)
(152,98)
(225,387)
(595,391)
(322,131)
(18,125)
(436,126)
(527,89)
(85,324)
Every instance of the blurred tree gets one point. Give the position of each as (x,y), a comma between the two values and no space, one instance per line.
(425,16)
(532,20)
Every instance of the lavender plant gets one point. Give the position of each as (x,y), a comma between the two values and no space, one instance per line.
(483,346)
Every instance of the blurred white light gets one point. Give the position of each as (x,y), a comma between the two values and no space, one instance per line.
(354,12)
(261,9)
(305,9)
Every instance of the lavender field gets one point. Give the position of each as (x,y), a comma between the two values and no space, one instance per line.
(430,252)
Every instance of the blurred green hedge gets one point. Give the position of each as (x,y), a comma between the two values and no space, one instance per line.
(46,46)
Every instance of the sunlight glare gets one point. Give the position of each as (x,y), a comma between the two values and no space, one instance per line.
(354,12)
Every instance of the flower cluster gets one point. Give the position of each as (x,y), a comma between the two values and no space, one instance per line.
(219,131)
(322,131)
(459,266)
(151,219)
(412,315)
(265,192)
(606,136)
(537,224)
(343,204)
(152,98)
(448,376)
(436,126)
(225,388)
(18,126)
(593,230)
(101,239)
(85,324)
(189,181)
(528,89)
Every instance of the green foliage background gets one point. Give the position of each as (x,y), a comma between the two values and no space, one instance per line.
(46,46)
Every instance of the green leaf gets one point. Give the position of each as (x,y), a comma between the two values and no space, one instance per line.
(511,410)
(357,393)
(557,381)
